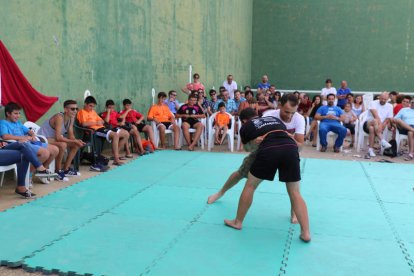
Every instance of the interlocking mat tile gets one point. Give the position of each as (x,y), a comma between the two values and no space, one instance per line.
(150,217)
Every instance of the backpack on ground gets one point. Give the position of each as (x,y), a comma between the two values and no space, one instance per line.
(392,151)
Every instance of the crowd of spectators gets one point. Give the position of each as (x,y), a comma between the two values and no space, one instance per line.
(332,110)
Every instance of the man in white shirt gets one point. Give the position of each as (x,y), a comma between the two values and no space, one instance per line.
(379,114)
(230,85)
(328,89)
(295,124)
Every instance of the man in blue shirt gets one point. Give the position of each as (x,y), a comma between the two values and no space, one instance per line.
(172,102)
(342,94)
(230,104)
(405,123)
(330,117)
(264,85)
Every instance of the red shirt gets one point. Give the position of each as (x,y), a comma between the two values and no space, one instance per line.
(113,118)
(397,108)
(132,116)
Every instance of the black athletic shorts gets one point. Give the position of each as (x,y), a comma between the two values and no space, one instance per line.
(141,126)
(166,124)
(365,127)
(282,158)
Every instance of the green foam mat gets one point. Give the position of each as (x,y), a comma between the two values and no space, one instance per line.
(150,217)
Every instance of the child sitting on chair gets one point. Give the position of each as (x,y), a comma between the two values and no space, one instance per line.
(221,124)
(349,122)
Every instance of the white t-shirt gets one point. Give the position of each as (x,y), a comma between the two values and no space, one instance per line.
(230,87)
(325,92)
(384,111)
(296,125)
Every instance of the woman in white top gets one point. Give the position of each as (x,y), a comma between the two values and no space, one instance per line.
(328,89)
(358,105)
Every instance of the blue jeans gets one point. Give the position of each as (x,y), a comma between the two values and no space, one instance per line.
(337,128)
(20,154)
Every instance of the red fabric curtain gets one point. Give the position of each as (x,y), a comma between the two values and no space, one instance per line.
(16,88)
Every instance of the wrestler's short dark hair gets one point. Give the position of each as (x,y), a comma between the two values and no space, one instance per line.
(247,114)
(289,97)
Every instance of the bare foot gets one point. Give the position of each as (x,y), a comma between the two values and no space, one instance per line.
(305,237)
(191,147)
(294,219)
(233,224)
(213,198)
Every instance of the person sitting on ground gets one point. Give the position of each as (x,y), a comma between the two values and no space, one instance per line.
(22,154)
(172,102)
(379,114)
(230,104)
(221,124)
(349,122)
(405,123)
(195,85)
(331,117)
(402,102)
(358,105)
(112,120)
(316,103)
(190,114)
(135,118)
(164,119)
(13,129)
(58,130)
(88,118)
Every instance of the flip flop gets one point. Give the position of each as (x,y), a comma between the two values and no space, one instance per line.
(129,156)
(409,157)
(117,163)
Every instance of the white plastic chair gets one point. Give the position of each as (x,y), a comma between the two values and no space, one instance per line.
(361,133)
(168,132)
(239,125)
(367,99)
(193,130)
(212,131)
(4,169)
(35,127)
(329,135)
(399,138)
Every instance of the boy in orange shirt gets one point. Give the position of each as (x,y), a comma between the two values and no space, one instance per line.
(221,123)
(88,117)
(161,114)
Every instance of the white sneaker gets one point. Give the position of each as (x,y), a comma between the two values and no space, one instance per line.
(44,180)
(385,144)
(371,152)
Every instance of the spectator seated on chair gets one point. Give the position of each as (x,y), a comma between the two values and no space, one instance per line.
(405,123)
(22,155)
(349,122)
(316,103)
(172,102)
(402,101)
(190,114)
(13,129)
(249,102)
(330,117)
(263,102)
(212,102)
(221,124)
(164,119)
(136,119)
(88,118)
(58,130)
(238,99)
(379,114)
(358,105)
(230,104)
(113,121)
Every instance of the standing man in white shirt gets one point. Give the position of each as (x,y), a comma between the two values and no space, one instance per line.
(328,89)
(230,85)
(379,114)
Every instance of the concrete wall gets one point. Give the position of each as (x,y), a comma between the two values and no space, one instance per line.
(367,42)
(123,48)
